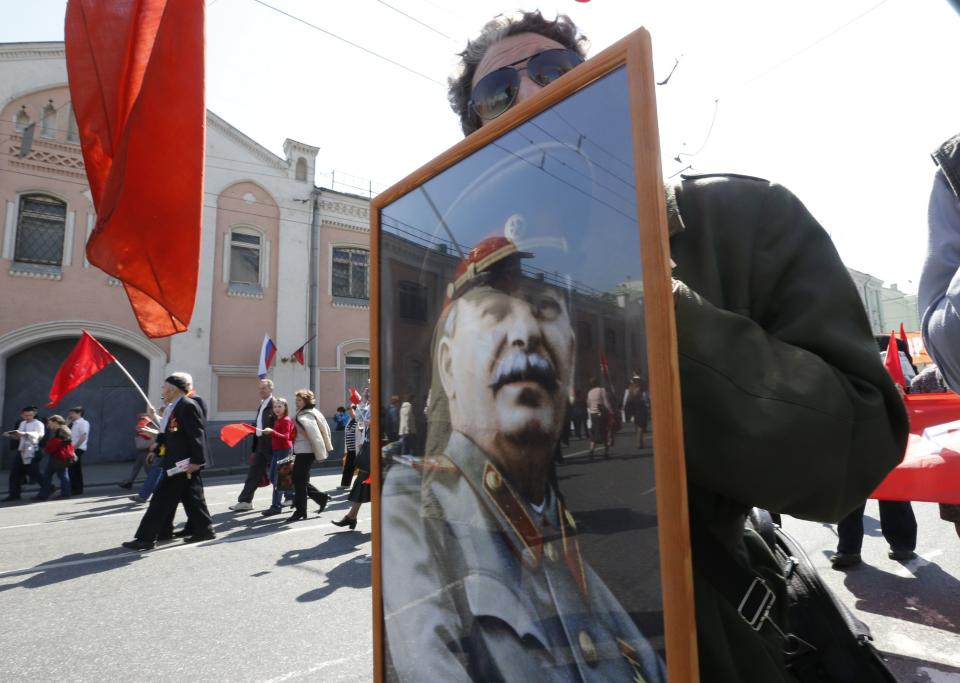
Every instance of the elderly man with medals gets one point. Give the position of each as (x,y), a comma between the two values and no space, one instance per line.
(182,447)
(483,577)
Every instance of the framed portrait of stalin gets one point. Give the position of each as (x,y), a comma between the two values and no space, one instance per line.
(529,516)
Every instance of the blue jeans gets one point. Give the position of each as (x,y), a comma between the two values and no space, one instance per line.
(62,472)
(278,455)
(153,478)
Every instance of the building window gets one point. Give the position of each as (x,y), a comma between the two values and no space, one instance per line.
(301,169)
(413,301)
(357,372)
(48,121)
(23,119)
(244,257)
(584,336)
(350,268)
(73,133)
(40,230)
(610,340)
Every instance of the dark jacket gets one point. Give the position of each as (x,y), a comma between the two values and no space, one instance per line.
(786,405)
(185,435)
(264,445)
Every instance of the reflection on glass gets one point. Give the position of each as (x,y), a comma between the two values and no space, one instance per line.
(519,530)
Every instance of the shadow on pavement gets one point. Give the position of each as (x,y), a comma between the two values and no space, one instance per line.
(352,573)
(47,573)
(613,521)
(928,598)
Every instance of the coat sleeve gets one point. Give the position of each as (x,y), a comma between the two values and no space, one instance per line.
(785,402)
(939,295)
(324,434)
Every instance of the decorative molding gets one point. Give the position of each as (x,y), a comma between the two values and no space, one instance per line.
(77,175)
(113,282)
(10,231)
(35,271)
(44,50)
(235,291)
(68,227)
(252,146)
(345,209)
(234,370)
(339,303)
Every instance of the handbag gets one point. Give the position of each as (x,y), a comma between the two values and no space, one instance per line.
(285,474)
(823,642)
(362,461)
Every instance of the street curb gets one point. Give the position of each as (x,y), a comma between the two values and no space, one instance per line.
(211,474)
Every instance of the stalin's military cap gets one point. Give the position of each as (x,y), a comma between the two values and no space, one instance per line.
(489,256)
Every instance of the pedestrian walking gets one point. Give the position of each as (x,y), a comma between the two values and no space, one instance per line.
(26,461)
(142,441)
(312,443)
(281,436)
(262,448)
(350,445)
(80,429)
(59,448)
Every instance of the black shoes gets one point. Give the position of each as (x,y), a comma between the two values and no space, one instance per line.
(181,533)
(126,485)
(138,545)
(322,502)
(270,512)
(840,560)
(347,521)
(197,538)
(295,517)
(902,555)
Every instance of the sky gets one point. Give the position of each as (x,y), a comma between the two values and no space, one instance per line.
(840,101)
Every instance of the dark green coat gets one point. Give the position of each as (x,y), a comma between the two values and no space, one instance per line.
(786,405)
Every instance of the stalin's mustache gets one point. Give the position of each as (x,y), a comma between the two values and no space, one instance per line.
(519,366)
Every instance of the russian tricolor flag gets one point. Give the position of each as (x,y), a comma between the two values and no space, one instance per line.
(267,352)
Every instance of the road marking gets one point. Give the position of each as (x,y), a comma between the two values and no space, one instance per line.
(125,554)
(907,570)
(320,667)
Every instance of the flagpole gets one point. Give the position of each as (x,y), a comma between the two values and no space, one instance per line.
(134,383)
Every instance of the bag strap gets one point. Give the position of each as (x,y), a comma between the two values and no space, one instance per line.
(746,591)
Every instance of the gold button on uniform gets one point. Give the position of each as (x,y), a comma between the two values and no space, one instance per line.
(550,551)
(587,647)
(493,480)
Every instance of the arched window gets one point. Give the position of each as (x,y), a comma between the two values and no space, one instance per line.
(245,250)
(48,121)
(40,228)
(350,266)
(23,118)
(356,372)
(301,169)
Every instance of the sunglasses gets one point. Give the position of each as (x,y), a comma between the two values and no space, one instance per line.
(496,92)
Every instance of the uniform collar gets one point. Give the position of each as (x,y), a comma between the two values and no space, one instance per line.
(516,519)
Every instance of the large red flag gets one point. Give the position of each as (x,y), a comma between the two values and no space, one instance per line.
(135,69)
(87,359)
(892,362)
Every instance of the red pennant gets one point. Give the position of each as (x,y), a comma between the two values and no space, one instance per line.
(87,359)
(135,70)
(892,362)
(903,336)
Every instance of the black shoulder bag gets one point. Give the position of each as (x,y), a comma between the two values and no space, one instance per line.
(823,642)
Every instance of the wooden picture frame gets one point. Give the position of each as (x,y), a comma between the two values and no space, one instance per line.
(630,61)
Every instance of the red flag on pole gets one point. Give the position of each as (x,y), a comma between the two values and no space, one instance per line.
(892,362)
(903,336)
(355,397)
(87,359)
(135,70)
(298,354)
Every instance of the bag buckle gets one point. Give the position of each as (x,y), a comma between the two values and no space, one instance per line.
(756,603)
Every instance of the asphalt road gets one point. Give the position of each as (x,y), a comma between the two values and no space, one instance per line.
(269,602)
(263,602)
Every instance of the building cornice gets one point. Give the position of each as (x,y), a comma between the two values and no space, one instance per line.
(251,145)
(18,51)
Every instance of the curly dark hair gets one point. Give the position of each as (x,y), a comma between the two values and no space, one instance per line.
(562,30)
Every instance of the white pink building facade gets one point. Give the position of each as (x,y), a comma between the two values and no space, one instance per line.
(278,256)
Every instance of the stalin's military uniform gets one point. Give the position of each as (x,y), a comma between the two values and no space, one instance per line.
(478,585)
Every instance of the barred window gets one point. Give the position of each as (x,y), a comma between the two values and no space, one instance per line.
(244,258)
(350,268)
(40,230)
(413,301)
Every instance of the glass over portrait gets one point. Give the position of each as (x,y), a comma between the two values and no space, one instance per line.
(518,511)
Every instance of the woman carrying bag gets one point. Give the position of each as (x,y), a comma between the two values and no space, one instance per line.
(312,443)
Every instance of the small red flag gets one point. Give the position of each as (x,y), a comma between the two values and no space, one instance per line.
(298,355)
(903,336)
(87,359)
(892,362)
(232,434)
(135,70)
(355,397)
